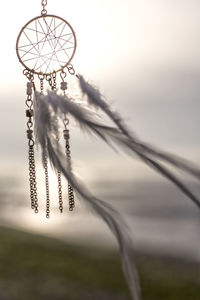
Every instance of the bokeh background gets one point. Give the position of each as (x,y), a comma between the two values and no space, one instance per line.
(144,56)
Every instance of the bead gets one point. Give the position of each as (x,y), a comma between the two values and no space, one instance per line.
(29,91)
(29,86)
(63,85)
(29,113)
(29,134)
(66,134)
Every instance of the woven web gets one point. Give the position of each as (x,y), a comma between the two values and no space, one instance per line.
(46,44)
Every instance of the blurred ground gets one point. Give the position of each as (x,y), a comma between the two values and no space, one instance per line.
(36,267)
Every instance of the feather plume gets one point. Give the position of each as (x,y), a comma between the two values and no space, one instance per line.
(52,104)
(143,151)
(45,125)
(96,99)
(52,107)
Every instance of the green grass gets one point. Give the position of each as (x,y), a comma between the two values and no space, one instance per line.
(34,267)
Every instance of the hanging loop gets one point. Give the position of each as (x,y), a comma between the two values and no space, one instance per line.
(41,76)
(71,69)
(49,79)
(53,80)
(44,11)
(65,121)
(63,75)
(28,74)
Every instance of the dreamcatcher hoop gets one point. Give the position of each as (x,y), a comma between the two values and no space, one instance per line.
(46,44)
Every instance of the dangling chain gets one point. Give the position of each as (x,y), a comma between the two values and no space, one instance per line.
(45,159)
(32,171)
(47,186)
(31,156)
(66,135)
(59,181)
(52,82)
(41,78)
(63,84)
(68,154)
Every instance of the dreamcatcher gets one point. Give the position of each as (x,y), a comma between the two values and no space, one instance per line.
(45,47)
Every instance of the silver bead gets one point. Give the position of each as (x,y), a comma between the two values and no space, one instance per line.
(29,134)
(29,86)
(66,134)
(63,85)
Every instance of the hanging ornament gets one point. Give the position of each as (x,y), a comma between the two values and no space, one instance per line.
(45,47)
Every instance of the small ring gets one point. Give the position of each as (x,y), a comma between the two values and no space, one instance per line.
(44,12)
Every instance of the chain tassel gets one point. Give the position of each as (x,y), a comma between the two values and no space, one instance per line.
(51,79)
(52,84)
(68,154)
(47,187)
(31,156)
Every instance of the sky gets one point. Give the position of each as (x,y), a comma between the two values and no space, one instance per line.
(142,54)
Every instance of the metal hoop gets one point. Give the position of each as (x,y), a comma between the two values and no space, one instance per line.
(48,37)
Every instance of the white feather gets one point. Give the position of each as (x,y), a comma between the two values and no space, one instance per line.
(53,104)
(51,107)
(143,151)
(45,108)
(96,99)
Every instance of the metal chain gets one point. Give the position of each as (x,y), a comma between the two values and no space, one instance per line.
(49,79)
(59,179)
(47,187)
(60,192)
(44,11)
(41,78)
(68,154)
(63,84)
(32,178)
(53,83)
(31,156)
(70,69)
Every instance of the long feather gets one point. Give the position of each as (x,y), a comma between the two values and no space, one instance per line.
(96,99)
(45,135)
(63,105)
(50,107)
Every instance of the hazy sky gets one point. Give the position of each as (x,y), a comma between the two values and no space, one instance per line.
(143,54)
